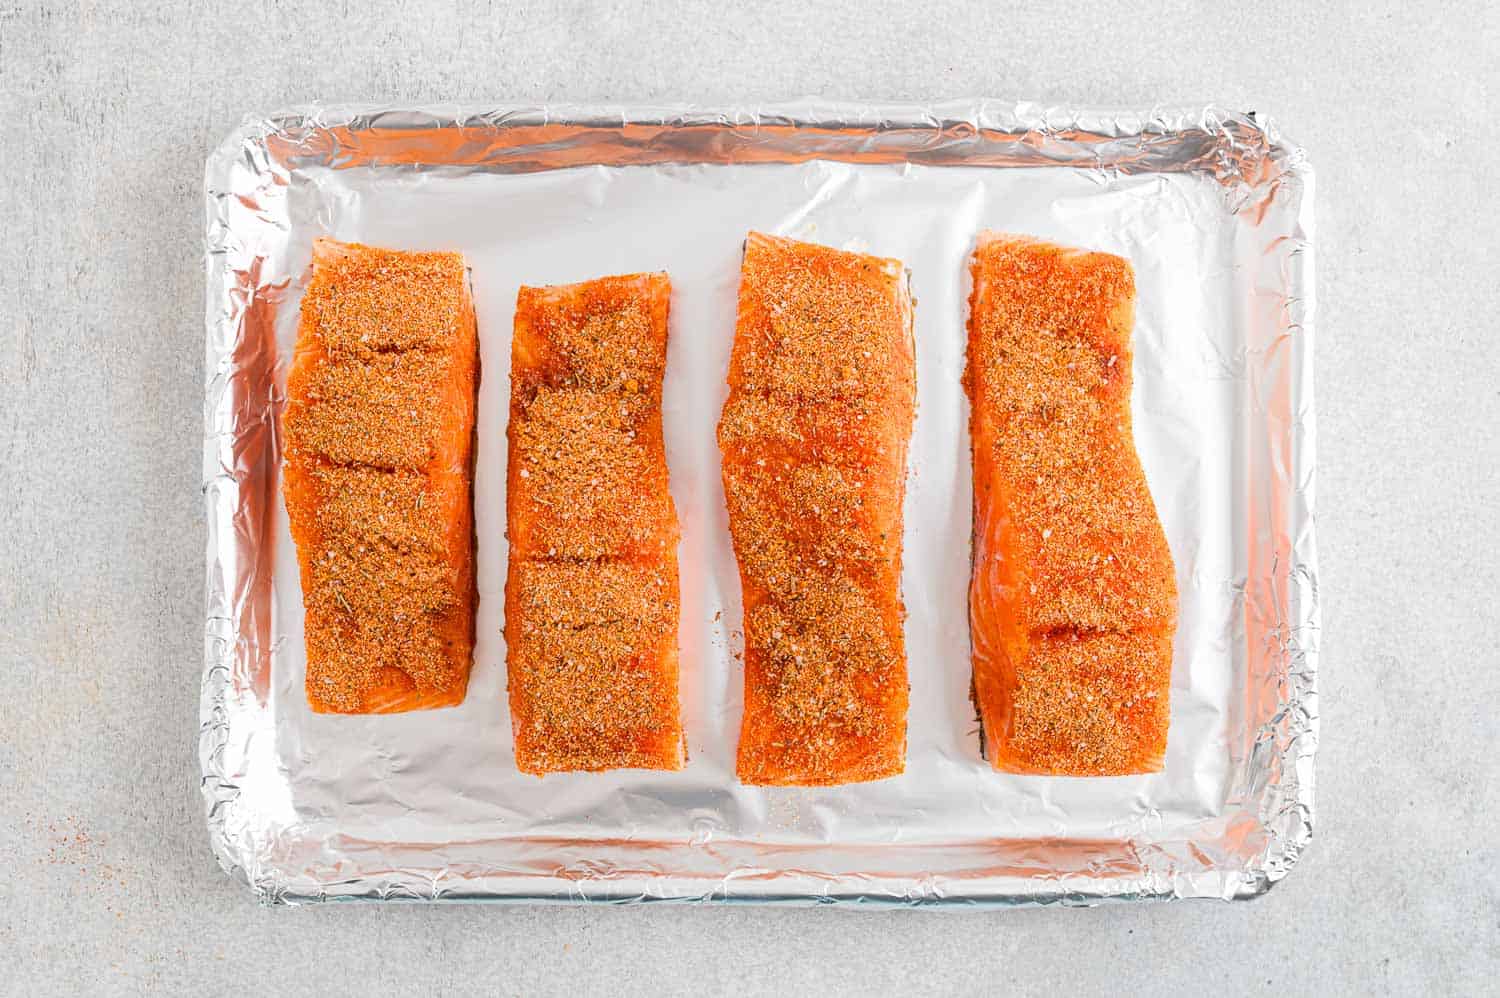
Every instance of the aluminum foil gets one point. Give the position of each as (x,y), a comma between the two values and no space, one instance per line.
(1212,208)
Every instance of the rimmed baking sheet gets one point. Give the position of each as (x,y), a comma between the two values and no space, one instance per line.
(1213,209)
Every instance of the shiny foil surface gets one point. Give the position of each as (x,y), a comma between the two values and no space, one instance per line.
(1213,210)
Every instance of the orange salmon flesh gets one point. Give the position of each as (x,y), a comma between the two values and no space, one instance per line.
(378,475)
(1073,598)
(814,434)
(591,598)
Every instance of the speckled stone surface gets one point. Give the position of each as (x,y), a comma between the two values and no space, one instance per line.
(106,882)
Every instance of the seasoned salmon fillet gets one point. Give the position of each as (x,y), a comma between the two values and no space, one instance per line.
(591,599)
(377,476)
(1073,598)
(814,434)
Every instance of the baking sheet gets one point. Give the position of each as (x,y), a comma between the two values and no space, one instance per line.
(1213,212)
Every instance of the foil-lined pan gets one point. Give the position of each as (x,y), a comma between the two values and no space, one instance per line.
(1213,209)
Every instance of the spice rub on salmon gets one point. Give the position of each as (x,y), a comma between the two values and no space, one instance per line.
(591,599)
(377,476)
(1073,598)
(814,435)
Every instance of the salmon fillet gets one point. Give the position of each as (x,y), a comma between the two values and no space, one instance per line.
(822,393)
(1073,599)
(591,599)
(377,475)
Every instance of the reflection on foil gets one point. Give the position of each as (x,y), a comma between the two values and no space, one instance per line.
(1214,211)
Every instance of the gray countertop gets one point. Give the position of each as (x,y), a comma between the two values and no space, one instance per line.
(106,881)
